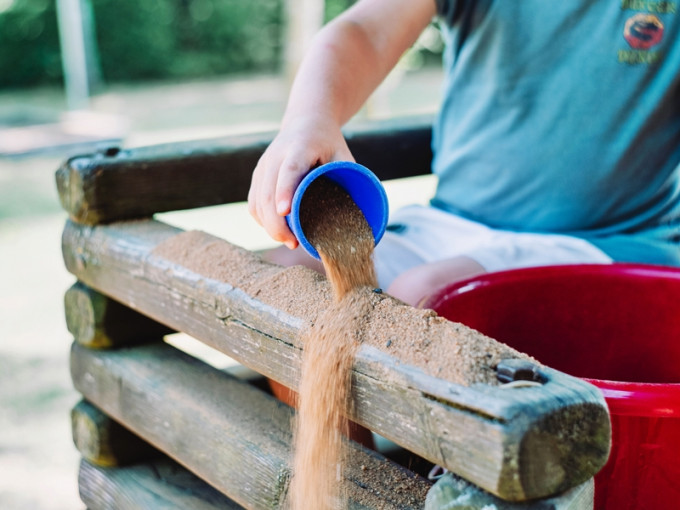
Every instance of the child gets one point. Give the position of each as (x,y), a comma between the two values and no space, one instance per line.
(558,140)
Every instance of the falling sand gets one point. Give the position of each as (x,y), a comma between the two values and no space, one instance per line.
(335,226)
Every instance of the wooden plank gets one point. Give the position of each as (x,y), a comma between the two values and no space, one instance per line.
(167,485)
(161,485)
(452,493)
(105,442)
(164,484)
(99,322)
(118,185)
(156,385)
(518,443)
(227,432)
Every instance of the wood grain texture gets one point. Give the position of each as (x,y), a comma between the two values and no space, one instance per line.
(517,443)
(227,432)
(161,485)
(165,485)
(451,493)
(136,183)
(99,322)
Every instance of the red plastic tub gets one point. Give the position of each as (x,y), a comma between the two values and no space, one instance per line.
(617,326)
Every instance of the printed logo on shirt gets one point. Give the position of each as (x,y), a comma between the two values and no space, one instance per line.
(644,30)
(663,7)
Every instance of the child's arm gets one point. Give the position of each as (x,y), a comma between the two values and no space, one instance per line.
(347,60)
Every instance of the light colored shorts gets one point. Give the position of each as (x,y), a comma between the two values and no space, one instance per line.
(419,234)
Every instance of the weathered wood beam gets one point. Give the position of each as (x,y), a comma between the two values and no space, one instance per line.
(518,443)
(99,322)
(161,484)
(227,432)
(124,184)
(105,442)
(165,484)
(452,493)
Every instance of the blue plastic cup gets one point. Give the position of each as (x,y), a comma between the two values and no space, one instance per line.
(360,184)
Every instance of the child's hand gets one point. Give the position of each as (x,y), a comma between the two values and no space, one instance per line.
(300,146)
(346,61)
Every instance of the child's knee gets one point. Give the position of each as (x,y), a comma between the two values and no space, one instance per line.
(411,286)
(416,284)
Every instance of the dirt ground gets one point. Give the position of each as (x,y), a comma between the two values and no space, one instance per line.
(38,462)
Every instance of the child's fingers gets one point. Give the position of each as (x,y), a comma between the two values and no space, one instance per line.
(290,174)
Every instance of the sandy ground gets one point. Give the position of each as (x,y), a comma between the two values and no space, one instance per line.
(38,462)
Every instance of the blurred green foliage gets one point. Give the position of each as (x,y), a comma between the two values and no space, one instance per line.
(29,43)
(140,40)
(186,38)
(335,7)
(135,40)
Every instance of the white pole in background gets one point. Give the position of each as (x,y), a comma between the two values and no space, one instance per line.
(73,56)
(304,18)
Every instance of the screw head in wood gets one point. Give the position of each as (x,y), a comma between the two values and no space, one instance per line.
(110,152)
(509,370)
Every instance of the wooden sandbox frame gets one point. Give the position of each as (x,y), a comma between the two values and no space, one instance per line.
(145,402)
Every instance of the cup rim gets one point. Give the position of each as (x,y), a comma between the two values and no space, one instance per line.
(377,190)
